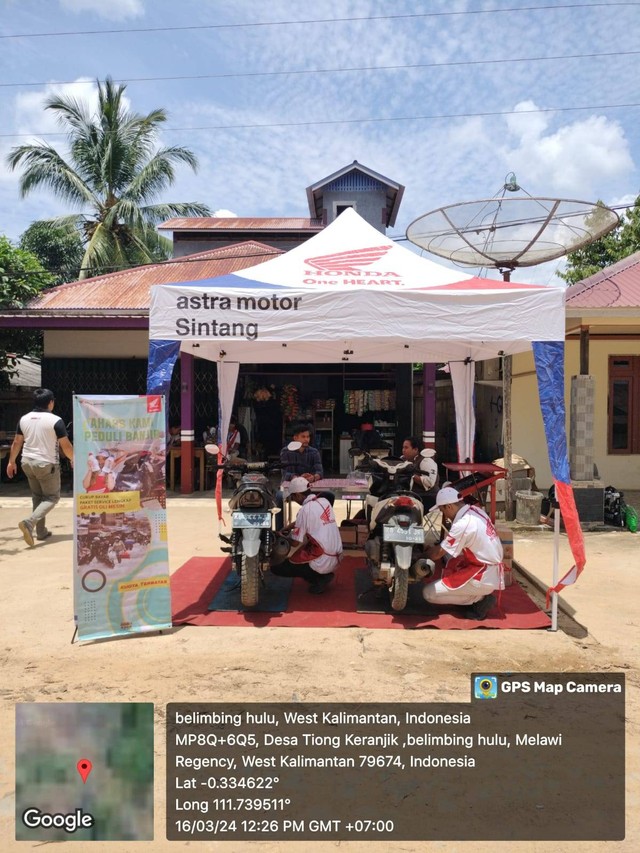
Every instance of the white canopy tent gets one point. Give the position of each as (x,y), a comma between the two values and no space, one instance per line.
(350,294)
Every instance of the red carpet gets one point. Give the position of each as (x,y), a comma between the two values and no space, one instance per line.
(194,585)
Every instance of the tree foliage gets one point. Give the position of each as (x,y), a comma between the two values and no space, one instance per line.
(22,277)
(114,171)
(58,249)
(618,244)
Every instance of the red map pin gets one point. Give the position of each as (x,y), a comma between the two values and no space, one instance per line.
(84,768)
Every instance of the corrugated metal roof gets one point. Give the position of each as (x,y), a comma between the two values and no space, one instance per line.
(236,223)
(28,374)
(617,286)
(130,289)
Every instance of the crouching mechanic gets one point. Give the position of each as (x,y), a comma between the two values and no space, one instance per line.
(314,535)
(474,569)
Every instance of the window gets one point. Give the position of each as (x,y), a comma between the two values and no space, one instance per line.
(341,207)
(624,404)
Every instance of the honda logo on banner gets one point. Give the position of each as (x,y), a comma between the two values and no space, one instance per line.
(348,263)
(351,263)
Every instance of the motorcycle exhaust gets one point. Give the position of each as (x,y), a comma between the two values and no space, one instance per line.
(372,550)
(280,550)
(423,568)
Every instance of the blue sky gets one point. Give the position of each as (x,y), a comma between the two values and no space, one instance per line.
(390,115)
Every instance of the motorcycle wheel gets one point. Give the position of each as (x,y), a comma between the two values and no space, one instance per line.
(249,581)
(399,589)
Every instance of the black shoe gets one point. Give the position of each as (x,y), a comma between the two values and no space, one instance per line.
(480,609)
(47,534)
(319,586)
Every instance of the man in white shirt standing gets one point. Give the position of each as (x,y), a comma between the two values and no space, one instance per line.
(474,569)
(316,537)
(38,435)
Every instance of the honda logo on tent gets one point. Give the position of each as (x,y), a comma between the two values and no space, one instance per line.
(347,263)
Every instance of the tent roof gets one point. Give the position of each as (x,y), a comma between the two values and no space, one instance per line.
(352,294)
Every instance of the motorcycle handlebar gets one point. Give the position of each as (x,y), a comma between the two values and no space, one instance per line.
(232,467)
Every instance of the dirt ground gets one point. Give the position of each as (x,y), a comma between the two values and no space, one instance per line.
(599,632)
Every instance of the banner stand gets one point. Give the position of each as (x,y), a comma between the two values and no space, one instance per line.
(121,562)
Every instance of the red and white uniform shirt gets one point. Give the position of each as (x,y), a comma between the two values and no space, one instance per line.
(475,549)
(316,519)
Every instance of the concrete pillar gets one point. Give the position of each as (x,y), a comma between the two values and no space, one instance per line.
(581,427)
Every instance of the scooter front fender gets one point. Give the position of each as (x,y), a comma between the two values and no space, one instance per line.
(403,555)
(251,539)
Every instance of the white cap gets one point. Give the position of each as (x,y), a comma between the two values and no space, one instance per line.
(427,453)
(448,495)
(297,485)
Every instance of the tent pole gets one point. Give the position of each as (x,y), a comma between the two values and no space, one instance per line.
(429,405)
(556,564)
(507,367)
(187,434)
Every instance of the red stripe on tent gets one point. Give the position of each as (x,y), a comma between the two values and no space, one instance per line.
(566,499)
(483,284)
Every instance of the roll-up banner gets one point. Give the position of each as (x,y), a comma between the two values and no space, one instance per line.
(121,564)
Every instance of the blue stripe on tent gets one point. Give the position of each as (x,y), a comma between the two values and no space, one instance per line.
(549,359)
(162,358)
(228,281)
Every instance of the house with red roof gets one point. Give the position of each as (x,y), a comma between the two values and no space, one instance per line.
(602,341)
(96,330)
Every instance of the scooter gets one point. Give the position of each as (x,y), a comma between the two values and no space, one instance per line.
(395,515)
(253,510)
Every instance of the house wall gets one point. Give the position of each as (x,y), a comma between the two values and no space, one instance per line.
(62,343)
(622,471)
(369,204)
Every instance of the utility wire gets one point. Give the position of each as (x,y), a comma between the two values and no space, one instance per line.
(188,260)
(293,72)
(484,114)
(287,23)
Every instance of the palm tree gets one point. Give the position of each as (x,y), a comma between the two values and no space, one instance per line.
(115,170)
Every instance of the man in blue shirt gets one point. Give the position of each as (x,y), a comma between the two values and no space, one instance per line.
(305,462)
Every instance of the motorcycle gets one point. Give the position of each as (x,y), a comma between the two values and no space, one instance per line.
(395,516)
(253,510)
(145,473)
(97,549)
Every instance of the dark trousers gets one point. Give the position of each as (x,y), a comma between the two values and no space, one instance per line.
(296,570)
(280,504)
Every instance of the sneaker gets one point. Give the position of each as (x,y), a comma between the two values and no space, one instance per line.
(46,535)
(480,609)
(26,528)
(319,586)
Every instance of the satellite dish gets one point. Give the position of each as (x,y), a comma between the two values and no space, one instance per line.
(507,233)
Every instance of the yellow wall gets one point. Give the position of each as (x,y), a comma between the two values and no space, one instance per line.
(103,344)
(527,430)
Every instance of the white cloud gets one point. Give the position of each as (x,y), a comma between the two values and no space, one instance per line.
(112,10)
(224,214)
(30,112)
(578,158)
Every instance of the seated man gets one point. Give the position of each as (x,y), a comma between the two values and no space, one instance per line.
(316,537)
(424,484)
(305,462)
(237,439)
(474,569)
